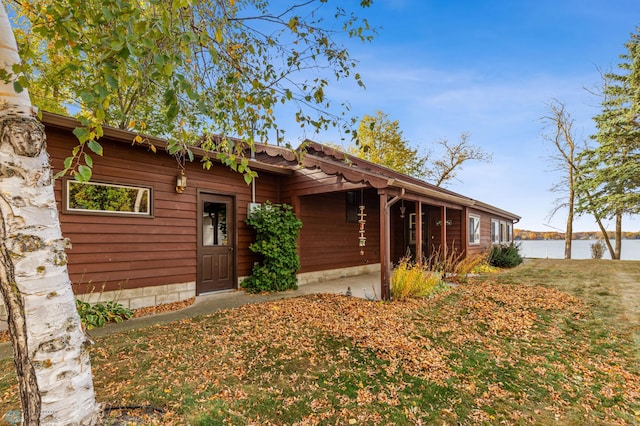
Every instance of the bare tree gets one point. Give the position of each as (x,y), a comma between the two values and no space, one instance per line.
(560,133)
(447,166)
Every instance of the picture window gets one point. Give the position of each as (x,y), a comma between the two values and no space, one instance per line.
(106,198)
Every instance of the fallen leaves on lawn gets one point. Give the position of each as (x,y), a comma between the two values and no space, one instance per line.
(163,308)
(509,354)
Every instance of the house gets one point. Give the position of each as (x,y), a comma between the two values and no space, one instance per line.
(139,236)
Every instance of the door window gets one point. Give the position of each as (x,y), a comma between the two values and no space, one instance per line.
(214,224)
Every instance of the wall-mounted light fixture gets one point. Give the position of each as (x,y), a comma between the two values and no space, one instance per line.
(181,182)
(439,222)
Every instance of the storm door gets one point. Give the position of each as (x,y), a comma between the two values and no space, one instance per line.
(216,243)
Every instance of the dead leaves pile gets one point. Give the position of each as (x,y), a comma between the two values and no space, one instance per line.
(497,353)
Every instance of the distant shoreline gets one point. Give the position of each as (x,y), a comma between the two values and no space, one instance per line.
(527,235)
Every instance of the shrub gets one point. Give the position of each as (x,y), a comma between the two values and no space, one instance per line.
(485,268)
(444,263)
(469,264)
(98,315)
(410,281)
(597,250)
(505,256)
(277,229)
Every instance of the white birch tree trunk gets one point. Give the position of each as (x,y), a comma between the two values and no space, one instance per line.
(51,360)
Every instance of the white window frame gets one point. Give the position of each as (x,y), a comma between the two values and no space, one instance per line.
(474,230)
(495,231)
(509,232)
(141,210)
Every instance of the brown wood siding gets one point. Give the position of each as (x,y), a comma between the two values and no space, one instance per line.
(112,252)
(485,231)
(400,231)
(455,240)
(434,241)
(327,241)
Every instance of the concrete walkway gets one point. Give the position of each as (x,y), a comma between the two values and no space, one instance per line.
(213,302)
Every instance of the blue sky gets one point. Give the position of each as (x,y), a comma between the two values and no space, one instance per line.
(488,67)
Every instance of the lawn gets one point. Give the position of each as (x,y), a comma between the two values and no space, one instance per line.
(550,341)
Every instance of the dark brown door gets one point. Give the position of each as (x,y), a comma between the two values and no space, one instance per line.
(216,243)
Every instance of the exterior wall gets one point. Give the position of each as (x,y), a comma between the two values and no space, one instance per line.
(456,240)
(327,241)
(333,274)
(485,231)
(115,253)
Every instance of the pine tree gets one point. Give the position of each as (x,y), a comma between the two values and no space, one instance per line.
(611,172)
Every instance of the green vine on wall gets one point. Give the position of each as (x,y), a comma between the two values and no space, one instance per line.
(277,229)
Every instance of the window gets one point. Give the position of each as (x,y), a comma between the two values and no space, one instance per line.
(353,202)
(501,231)
(474,229)
(509,236)
(106,198)
(495,231)
(214,224)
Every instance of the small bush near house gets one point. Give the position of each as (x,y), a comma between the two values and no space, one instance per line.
(98,315)
(470,263)
(277,229)
(505,256)
(597,250)
(409,280)
(444,263)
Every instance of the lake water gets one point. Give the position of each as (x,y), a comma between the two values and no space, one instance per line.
(580,249)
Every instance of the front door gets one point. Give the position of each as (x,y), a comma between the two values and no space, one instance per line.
(216,243)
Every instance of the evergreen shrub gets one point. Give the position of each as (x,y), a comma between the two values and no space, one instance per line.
(505,256)
(277,229)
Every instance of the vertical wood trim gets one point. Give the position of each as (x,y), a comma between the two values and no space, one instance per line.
(419,238)
(464,217)
(385,231)
(443,232)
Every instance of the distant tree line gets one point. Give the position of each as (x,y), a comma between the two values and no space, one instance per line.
(523,234)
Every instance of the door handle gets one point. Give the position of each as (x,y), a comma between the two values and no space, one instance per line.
(230,248)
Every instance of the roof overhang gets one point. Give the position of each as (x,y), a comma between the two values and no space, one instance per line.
(125,136)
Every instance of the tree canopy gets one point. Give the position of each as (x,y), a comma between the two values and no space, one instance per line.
(610,175)
(182,69)
(380,141)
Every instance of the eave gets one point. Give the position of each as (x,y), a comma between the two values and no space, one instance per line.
(125,136)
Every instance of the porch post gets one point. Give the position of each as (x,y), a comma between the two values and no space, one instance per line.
(419,232)
(443,233)
(385,249)
(465,230)
(385,243)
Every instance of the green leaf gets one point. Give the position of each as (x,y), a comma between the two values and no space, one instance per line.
(88,160)
(82,133)
(67,162)
(84,174)
(95,147)
(113,83)
(17,87)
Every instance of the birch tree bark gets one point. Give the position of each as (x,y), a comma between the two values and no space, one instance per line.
(51,360)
